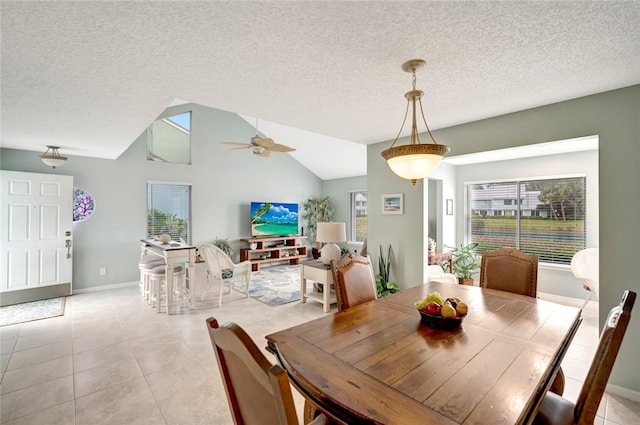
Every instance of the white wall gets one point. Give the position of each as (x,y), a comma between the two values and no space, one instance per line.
(223,182)
(551,279)
(446,173)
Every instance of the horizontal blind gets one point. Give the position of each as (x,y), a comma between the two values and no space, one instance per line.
(169,211)
(545,217)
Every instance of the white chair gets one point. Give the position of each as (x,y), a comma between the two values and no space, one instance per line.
(585,265)
(224,270)
(436,274)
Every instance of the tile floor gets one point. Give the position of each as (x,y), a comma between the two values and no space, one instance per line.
(112,360)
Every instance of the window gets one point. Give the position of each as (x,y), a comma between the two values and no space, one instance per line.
(169,139)
(358,215)
(169,210)
(549,220)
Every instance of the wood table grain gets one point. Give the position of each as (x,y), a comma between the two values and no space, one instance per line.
(377,363)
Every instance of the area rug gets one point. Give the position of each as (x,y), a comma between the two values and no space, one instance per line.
(276,285)
(35,310)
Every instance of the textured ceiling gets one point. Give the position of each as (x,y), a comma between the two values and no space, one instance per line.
(91,76)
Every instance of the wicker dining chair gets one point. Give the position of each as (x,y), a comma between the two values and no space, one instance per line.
(224,270)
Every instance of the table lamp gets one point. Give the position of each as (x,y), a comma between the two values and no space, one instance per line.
(330,233)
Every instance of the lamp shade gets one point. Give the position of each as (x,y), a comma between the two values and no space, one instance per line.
(331,232)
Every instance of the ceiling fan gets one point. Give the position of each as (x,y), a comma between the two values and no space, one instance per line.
(262,146)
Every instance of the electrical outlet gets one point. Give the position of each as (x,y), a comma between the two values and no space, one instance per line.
(103,271)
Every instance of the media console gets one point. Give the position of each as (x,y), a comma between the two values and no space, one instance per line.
(272,249)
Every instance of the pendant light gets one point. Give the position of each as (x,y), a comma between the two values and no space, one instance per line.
(52,157)
(415,160)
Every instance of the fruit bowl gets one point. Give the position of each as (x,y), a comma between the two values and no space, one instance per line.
(440,322)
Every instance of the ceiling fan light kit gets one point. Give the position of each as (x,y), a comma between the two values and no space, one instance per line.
(52,157)
(415,160)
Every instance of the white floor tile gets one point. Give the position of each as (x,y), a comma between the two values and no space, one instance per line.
(131,365)
(34,374)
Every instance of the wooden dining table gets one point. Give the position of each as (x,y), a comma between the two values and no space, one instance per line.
(377,363)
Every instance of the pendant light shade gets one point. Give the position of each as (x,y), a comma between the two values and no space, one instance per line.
(416,160)
(52,157)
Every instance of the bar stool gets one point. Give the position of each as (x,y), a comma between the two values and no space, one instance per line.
(146,264)
(157,282)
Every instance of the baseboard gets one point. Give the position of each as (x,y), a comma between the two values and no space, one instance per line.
(34,294)
(623,392)
(104,287)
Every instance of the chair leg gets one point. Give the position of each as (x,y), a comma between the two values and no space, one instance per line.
(557,386)
(310,412)
(221,289)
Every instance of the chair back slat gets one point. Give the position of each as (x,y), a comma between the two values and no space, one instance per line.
(257,391)
(610,341)
(508,269)
(354,281)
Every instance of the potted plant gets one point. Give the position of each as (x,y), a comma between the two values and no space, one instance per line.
(223,244)
(466,263)
(316,210)
(383,286)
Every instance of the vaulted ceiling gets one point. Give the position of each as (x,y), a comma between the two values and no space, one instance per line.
(91,76)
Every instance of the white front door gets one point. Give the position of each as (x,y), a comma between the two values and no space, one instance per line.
(35,238)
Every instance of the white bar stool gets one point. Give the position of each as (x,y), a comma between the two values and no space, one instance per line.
(157,282)
(145,265)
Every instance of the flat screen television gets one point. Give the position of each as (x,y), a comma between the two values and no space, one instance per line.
(273,219)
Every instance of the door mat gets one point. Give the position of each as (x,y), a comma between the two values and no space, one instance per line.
(34,310)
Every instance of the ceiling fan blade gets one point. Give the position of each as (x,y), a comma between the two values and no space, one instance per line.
(240,147)
(281,148)
(248,145)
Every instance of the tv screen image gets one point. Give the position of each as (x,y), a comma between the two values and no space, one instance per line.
(274,219)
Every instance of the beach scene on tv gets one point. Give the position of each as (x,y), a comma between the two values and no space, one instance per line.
(274,219)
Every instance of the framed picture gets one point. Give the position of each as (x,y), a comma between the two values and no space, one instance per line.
(393,203)
(449,206)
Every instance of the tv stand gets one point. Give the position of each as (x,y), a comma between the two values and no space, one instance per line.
(288,248)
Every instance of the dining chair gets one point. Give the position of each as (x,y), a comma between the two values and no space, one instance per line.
(224,270)
(353,280)
(258,392)
(508,269)
(557,410)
